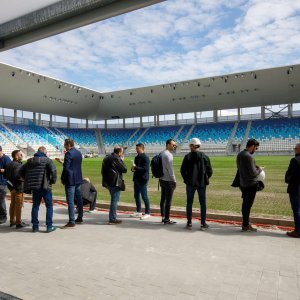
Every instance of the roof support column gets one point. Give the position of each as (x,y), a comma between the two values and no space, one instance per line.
(263,113)
(195,117)
(157,120)
(86,123)
(68,122)
(239,113)
(124,123)
(51,120)
(15,116)
(34,118)
(176,119)
(105,124)
(215,116)
(39,119)
(290,110)
(141,122)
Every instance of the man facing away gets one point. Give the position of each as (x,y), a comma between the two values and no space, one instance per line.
(16,187)
(140,170)
(167,181)
(88,194)
(292,178)
(39,173)
(196,171)
(71,178)
(112,169)
(248,171)
(4,161)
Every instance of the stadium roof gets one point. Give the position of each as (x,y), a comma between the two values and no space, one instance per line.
(23,22)
(29,91)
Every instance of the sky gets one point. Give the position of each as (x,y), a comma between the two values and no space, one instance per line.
(172,41)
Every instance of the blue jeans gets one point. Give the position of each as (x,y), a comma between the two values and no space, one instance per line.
(3,212)
(36,201)
(73,192)
(295,204)
(140,189)
(190,192)
(114,199)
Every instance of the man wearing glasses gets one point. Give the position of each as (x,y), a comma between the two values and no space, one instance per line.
(167,181)
(292,178)
(248,171)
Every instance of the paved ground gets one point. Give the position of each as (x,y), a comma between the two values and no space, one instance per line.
(146,260)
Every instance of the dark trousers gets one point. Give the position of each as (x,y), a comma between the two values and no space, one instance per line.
(295,204)
(167,190)
(248,195)
(140,189)
(190,192)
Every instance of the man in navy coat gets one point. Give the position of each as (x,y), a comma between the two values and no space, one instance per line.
(71,178)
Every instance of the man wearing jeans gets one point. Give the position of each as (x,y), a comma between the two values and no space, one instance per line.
(248,171)
(167,181)
(71,178)
(4,161)
(196,171)
(292,178)
(112,169)
(140,170)
(39,173)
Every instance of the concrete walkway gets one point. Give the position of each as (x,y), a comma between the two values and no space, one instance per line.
(146,260)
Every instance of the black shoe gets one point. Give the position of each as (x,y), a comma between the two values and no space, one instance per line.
(12,225)
(248,228)
(34,230)
(78,221)
(166,222)
(2,221)
(189,226)
(204,226)
(115,222)
(22,225)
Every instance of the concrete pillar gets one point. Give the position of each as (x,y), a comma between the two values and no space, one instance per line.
(51,120)
(141,122)
(34,118)
(68,122)
(39,119)
(239,113)
(124,123)
(195,117)
(290,110)
(215,116)
(176,119)
(105,124)
(15,116)
(263,113)
(157,120)
(86,123)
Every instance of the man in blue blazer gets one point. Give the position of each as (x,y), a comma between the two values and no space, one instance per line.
(71,178)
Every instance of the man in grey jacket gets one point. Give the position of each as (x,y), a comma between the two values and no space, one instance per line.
(167,181)
(248,171)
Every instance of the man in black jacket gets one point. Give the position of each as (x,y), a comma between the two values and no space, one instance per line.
(88,193)
(16,186)
(196,171)
(112,169)
(140,169)
(292,178)
(39,173)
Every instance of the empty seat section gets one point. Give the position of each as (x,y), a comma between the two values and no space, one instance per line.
(83,137)
(159,135)
(240,132)
(113,137)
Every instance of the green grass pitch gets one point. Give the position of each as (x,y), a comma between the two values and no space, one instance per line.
(273,200)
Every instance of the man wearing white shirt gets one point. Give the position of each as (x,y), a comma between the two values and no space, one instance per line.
(167,181)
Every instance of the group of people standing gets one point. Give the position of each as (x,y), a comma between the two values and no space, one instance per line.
(38,174)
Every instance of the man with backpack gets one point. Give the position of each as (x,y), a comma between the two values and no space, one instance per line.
(140,169)
(167,181)
(196,171)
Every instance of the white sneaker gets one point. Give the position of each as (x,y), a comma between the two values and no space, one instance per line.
(145,216)
(136,215)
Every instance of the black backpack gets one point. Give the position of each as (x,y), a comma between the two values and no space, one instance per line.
(156,166)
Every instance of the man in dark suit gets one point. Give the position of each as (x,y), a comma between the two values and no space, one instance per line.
(71,178)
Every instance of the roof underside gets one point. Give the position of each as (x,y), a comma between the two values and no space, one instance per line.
(25,90)
(23,22)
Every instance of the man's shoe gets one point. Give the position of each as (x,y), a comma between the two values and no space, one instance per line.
(167,222)
(115,222)
(145,216)
(248,228)
(204,226)
(78,221)
(2,221)
(136,215)
(189,226)
(34,230)
(12,225)
(293,234)
(91,211)
(69,225)
(22,225)
(50,229)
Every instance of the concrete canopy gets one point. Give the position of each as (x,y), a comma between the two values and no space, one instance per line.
(23,22)
(25,90)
